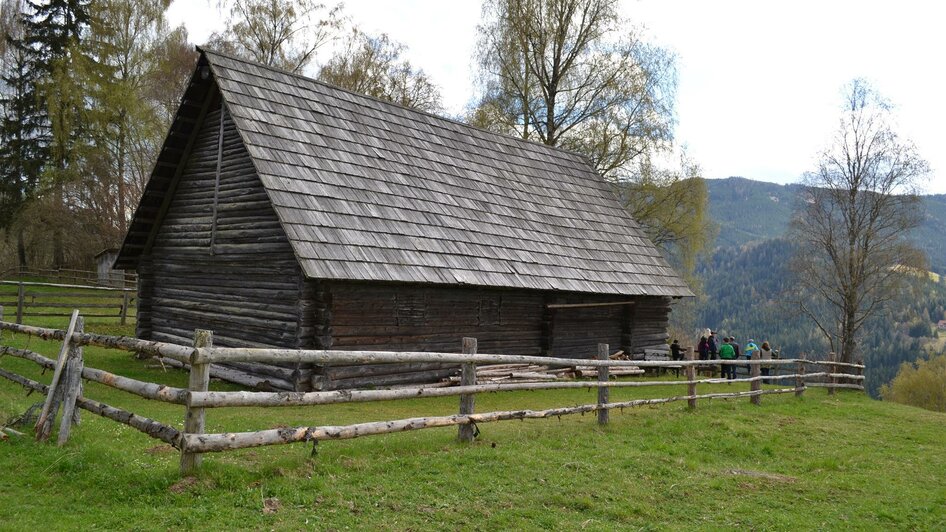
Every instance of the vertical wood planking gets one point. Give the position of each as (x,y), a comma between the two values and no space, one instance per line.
(691,380)
(72,388)
(467,401)
(604,392)
(194,417)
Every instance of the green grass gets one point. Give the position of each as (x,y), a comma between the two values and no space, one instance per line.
(819,462)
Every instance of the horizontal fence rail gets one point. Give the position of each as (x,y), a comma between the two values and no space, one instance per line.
(198,358)
(46,304)
(113,278)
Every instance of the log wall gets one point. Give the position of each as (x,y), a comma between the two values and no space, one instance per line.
(415,317)
(219,258)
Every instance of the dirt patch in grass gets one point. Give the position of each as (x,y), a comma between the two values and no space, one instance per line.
(775,477)
(189,483)
(160,449)
(271,505)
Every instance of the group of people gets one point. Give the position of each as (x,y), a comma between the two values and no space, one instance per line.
(710,348)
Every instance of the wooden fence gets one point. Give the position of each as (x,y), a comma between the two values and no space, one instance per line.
(30,301)
(197,398)
(118,279)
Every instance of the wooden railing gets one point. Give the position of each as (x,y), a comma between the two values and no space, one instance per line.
(197,398)
(103,302)
(117,279)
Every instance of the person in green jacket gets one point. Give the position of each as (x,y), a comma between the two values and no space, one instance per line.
(727,352)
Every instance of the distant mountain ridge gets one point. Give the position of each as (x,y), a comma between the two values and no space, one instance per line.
(749,211)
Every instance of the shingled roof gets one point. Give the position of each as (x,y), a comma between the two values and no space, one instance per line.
(368,190)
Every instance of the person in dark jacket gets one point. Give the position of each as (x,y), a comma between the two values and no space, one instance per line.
(703,348)
(675,352)
(711,343)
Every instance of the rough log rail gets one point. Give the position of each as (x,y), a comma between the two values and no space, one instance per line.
(123,343)
(198,358)
(238,354)
(207,443)
(100,298)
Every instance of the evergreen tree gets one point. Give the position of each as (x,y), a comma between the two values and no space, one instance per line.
(22,150)
(53,36)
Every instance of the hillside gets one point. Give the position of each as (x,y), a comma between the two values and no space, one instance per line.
(790,463)
(743,290)
(746,275)
(752,211)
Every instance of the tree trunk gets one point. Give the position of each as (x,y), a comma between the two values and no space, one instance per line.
(122,215)
(21,249)
(59,254)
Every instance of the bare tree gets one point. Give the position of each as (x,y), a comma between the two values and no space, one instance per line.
(853,222)
(570,73)
(373,65)
(282,33)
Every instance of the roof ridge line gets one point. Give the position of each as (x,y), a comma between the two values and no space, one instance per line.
(456,121)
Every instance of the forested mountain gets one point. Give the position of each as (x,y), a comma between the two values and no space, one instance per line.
(744,280)
(752,211)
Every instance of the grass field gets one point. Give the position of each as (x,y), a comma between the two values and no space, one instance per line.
(818,462)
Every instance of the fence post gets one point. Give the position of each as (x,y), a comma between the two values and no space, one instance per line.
(691,380)
(603,391)
(1,319)
(72,387)
(467,378)
(799,380)
(755,371)
(124,314)
(832,357)
(20,296)
(199,381)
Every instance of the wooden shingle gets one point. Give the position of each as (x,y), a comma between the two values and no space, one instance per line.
(371,191)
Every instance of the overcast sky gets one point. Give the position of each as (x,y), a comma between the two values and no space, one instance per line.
(760,83)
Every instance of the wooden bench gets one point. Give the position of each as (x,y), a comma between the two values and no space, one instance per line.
(657,355)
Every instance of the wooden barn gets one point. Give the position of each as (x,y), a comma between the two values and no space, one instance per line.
(285,212)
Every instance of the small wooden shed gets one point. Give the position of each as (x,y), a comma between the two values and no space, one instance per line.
(286,212)
(105,273)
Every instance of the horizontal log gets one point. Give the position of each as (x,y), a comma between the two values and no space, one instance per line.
(123,343)
(370,370)
(831,385)
(388,380)
(225,354)
(60,315)
(589,305)
(148,390)
(76,304)
(76,295)
(204,443)
(56,285)
(841,364)
(148,426)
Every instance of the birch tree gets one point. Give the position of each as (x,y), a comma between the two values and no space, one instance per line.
(852,225)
